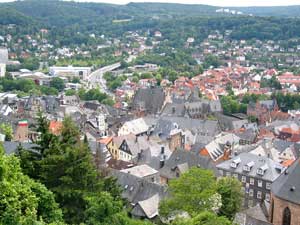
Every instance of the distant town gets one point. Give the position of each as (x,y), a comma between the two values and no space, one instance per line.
(159,118)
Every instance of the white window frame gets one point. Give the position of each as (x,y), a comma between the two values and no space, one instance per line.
(268,186)
(259,183)
(252,181)
(259,195)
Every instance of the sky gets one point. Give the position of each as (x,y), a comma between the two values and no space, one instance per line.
(207,2)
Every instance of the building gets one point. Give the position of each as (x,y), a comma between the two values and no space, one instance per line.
(285,197)
(70,71)
(3,55)
(2,69)
(256,173)
(143,171)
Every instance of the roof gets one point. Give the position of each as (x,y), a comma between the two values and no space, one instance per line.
(138,126)
(149,99)
(271,169)
(55,127)
(183,160)
(137,189)
(287,186)
(150,206)
(256,215)
(204,127)
(216,147)
(140,171)
(10,147)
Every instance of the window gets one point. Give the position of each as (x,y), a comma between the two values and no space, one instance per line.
(268,197)
(250,203)
(221,172)
(286,216)
(268,186)
(228,174)
(235,175)
(259,195)
(244,179)
(251,192)
(251,181)
(259,183)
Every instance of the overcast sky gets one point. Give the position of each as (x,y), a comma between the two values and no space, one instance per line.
(207,2)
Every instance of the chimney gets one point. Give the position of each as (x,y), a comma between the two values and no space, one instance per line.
(162,161)
(162,150)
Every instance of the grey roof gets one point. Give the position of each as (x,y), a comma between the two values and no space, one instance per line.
(150,99)
(173,109)
(230,123)
(137,189)
(287,186)
(203,127)
(272,169)
(182,160)
(256,215)
(269,104)
(10,147)
(247,135)
(147,208)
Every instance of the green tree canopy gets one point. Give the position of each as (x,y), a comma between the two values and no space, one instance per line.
(22,200)
(191,192)
(230,190)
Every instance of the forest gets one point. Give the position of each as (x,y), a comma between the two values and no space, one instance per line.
(69,22)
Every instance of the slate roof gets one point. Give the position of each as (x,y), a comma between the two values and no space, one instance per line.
(287,186)
(182,160)
(216,147)
(230,123)
(140,171)
(256,215)
(148,206)
(10,147)
(196,126)
(272,172)
(137,189)
(150,99)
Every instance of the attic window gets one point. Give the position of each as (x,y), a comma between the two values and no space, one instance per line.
(235,163)
(131,188)
(126,186)
(248,166)
(262,170)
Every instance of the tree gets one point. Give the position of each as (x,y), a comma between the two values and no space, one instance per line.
(22,200)
(70,92)
(204,218)
(192,192)
(7,130)
(57,83)
(211,60)
(230,190)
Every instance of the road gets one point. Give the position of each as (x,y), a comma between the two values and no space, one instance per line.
(96,79)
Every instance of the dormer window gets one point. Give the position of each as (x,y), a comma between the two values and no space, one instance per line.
(262,169)
(234,164)
(248,166)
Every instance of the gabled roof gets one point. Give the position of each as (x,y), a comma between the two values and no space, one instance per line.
(150,206)
(287,186)
(183,160)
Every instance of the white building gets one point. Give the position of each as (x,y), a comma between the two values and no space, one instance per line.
(3,55)
(2,69)
(70,71)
